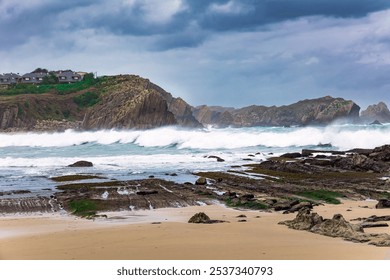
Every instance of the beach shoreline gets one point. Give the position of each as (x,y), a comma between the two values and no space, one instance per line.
(165,234)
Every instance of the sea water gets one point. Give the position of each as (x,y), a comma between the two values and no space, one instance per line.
(28,160)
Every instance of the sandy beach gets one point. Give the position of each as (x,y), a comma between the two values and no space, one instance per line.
(165,234)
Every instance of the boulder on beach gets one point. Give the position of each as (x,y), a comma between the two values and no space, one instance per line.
(383,203)
(200,218)
(201,181)
(335,227)
(81,163)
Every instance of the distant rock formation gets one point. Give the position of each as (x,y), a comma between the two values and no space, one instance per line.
(377,112)
(320,111)
(133,102)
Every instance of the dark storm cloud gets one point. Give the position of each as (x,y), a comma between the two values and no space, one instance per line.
(188,27)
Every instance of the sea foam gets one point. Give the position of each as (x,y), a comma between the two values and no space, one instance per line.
(341,137)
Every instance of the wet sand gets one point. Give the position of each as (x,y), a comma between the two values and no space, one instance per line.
(165,234)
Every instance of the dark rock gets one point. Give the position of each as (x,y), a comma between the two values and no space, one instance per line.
(241,216)
(372,225)
(339,227)
(304,220)
(217,158)
(376,122)
(146,192)
(201,181)
(383,203)
(375,218)
(320,156)
(241,221)
(151,176)
(81,163)
(202,218)
(230,194)
(381,153)
(360,162)
(250,155)
(199,218)
(285,205)
(248,196)
(247,159)
(299,206)
(173,174)
(291,155)
(308,152)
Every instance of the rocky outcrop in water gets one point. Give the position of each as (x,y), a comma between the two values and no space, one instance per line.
(377,112)
(320,111)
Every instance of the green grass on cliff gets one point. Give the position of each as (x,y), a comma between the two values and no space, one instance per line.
(87,99)
(87,82)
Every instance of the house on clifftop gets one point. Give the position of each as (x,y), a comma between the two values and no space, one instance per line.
(33,78)
(9,79)
(68,76)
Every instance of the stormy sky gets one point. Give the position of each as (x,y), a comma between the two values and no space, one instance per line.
(217,52)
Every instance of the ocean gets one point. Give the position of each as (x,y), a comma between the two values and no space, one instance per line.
(28,160)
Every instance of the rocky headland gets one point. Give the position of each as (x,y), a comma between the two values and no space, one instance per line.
(133,102)
(320,111)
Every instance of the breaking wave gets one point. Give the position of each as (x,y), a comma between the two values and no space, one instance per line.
(340,137)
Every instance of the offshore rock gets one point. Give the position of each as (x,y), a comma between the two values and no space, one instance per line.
(320,111)
(377,112)
(81,163)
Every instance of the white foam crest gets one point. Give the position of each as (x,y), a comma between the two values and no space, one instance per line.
(343,137)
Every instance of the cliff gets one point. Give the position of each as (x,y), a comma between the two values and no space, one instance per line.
(123,102)
(130,101)
(377,112)
(318,111)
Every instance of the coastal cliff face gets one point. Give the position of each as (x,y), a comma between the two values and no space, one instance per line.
(123,102)
(133,102)
(38,112)
(377,112)
(319,111)
(129,101)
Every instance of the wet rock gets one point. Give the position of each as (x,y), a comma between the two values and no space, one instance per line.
(291,155)
(146,192)
(376,122)
(360,162)
(201,181)
(81,163)
(383,203)
(381,153)
(217,158)
(248,197)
